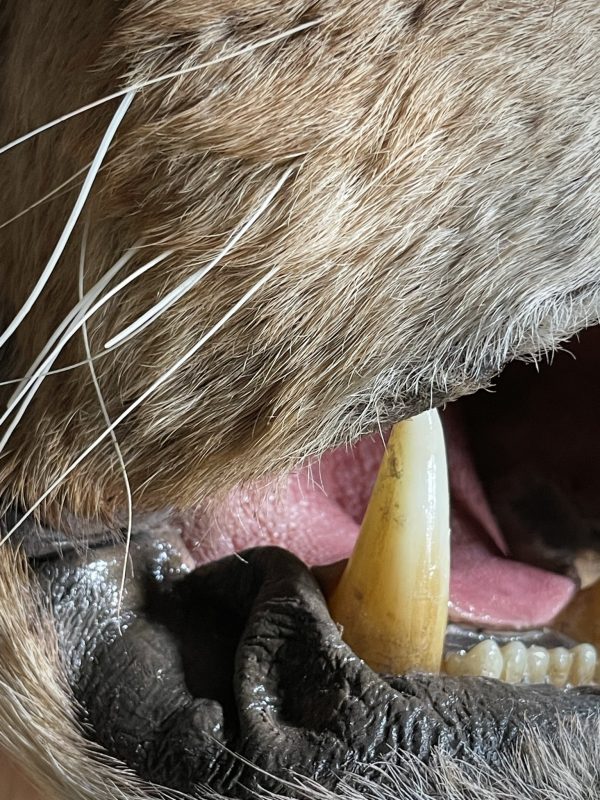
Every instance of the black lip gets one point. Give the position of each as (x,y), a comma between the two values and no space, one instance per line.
(235,677)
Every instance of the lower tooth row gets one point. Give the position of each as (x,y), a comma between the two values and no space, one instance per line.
(516,663)
(392,599)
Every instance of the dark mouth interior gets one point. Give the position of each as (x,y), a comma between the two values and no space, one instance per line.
(534,441)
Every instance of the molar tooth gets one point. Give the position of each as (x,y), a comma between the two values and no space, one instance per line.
(538,659)
(483,660)
(584,664)
(515,662)
(559,666)
(392,599)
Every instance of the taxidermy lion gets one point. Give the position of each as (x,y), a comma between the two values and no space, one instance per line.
(239,241)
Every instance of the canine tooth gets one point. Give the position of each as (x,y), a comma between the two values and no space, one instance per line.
(559,666)
(538,659)
(392,599)
(515,662)
(584,664)
(484,660)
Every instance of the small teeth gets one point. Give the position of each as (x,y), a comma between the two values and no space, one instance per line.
(559,666)
(584,664)
(516,663)
(538,659)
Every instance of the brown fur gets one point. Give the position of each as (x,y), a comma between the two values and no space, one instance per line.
(442,218)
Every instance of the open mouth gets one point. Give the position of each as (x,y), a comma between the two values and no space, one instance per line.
(235,659)
(525,522)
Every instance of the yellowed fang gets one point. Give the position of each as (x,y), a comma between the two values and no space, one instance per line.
(392,599)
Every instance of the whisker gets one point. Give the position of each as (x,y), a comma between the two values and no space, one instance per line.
(53,193)
(148,317)
(57,371)
(88,352)
(93,293)
(74,216)
(78,316)
(68,368)
(164,378)
(160,79)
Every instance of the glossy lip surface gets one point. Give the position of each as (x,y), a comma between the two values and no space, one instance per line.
(234,676)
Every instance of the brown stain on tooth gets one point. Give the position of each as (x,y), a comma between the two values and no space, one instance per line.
(392,598)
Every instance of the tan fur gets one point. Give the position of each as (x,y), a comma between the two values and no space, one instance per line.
(442,218)
(39,738)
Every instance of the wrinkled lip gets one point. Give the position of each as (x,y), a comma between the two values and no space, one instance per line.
(234,677)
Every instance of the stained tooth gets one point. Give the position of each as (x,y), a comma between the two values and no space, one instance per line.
(392,599)
(515,662)
(538,659)
(484,660)
(584,664)
(559,666)
(453,664)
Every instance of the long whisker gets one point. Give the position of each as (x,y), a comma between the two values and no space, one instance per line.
(77,317)
(148,317)
(164,378)
(160,79)
(57,191)
(118,451)
(74,216)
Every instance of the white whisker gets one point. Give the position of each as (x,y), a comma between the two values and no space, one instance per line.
(160,79)
(73,322)
(53,193)
(57,371)
(88,352)
(74,216)
(148,317)
(73,314)
(164,378)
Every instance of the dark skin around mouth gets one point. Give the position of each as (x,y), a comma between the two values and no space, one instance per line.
(234,676)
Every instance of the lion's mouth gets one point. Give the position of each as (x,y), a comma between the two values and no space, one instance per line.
(525,520)
(234,675)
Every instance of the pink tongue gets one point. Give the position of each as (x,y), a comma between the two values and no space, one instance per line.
(316,515)
(486,587)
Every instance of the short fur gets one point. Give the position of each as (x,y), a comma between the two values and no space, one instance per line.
(442,217)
